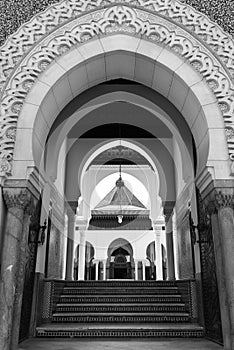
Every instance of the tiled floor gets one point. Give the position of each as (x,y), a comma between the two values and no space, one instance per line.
(180,344)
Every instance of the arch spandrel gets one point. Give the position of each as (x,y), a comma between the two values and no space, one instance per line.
(165,22)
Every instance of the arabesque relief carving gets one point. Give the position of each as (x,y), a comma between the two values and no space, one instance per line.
(27,53)
(223,200)
(21,199)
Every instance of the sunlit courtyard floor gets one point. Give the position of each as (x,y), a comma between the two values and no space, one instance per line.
(161,344)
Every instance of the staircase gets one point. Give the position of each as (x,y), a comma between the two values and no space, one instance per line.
(121,308)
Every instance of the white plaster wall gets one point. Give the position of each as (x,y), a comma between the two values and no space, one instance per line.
(61,168)
(179,180)
(77,151)
(101,240)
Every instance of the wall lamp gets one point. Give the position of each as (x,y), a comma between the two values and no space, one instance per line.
(41,235)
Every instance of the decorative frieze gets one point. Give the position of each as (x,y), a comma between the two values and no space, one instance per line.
(15,13)
(217,199)
(223,200)
(217,10)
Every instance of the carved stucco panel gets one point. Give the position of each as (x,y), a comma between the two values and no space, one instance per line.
(65,11)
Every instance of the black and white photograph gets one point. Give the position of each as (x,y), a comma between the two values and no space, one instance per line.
(116,174)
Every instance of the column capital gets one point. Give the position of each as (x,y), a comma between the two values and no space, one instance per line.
(224,198)
(145,262)
(20,198)
(82,225)
(159,222)
(157,229)
(218,198)
(96,261)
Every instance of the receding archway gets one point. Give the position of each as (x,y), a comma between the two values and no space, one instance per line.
(203,141)
(196,87)
(100,60)
(89,266)
(120,259)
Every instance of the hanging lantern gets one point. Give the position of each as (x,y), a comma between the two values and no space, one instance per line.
(120,219)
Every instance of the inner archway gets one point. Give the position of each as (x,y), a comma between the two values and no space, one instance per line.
(120,259)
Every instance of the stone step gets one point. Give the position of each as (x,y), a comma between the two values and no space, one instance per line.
(120,299)
(120,291)
(120,283)
(145,330)
(118,309)
(120,317)
(107,308)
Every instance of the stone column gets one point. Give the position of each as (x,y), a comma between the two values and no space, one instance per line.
(216,221)
(81,265)
(96,262)
(21,277)
(104,269)
(136,270)
(143,269)
(221,280)
(175,244)
(71,213)
(158,252)
(224,201)
(168,210)
(16,201)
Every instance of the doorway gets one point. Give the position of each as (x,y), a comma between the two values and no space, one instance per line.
(120,265)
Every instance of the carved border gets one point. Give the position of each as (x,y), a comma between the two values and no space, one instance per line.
(27,53)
